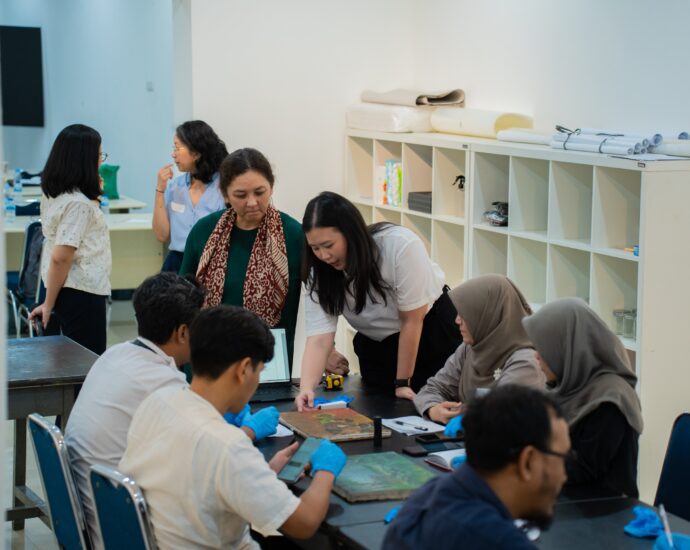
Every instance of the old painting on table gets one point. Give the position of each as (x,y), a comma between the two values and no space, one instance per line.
(379,476)
(334,424)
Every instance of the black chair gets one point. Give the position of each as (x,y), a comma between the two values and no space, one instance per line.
(673,490)
(29,290)
(29,208)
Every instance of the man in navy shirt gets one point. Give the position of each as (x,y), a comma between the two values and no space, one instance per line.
(517,442)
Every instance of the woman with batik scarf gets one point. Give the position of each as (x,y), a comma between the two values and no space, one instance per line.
(250,254)
(589,374)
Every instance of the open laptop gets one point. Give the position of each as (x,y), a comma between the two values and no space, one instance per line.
(275,383)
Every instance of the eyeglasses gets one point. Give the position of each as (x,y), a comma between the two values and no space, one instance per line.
(103,156)
(570,456)
(176,148)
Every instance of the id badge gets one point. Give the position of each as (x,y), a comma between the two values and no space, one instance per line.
(177,207)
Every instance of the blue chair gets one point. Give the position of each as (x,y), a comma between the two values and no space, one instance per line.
(28,291)
(673,490)
(121,510)
(64,506)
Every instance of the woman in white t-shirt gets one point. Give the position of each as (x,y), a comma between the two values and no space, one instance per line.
(76,260)
(381,279)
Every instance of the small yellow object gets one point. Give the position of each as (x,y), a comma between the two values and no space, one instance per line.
(334,382)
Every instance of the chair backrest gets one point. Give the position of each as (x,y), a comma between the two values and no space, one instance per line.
(66,515)
(30,285)
(673,490)
(121,511)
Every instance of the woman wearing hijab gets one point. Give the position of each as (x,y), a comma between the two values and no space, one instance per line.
(587,369)
(495,348)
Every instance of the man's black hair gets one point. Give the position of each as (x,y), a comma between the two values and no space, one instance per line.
(163,303)
(499,425)
(223,335)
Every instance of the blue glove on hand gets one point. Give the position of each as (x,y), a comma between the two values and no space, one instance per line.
(458,461)
(328,458)
(453,427)
(236,419)
(680,542)
(263,422)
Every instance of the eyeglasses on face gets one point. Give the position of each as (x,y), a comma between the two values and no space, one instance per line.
(103,156)
(570,456)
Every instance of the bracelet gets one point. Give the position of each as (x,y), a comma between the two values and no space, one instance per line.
(402,382)
(159,191)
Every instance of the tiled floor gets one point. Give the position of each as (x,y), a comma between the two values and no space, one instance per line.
(36,536)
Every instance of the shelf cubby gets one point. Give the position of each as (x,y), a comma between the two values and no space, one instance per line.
(490,183)
(360,168)
(421,225)
(417,171)
(570,202)
(448,250)
(367,212)
(386,214)
(614,286)
(616,208)
(527,268)
(529,193)
(568,273)
(448,199)
(489,253)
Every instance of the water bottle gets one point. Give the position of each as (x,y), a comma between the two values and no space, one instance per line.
(105,205)
(10,209)
(18,181)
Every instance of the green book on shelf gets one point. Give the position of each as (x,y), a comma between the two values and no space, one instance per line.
(380,476)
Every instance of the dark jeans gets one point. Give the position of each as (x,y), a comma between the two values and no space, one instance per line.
(80,316)
(378,361)
(173,261)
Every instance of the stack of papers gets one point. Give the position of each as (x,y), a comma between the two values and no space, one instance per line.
(412,425)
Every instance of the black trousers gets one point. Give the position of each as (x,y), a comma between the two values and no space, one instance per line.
(173,261)
(378,361)
(80,316)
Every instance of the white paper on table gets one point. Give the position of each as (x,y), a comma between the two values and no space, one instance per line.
(282,431)
(410,425)
(648,157)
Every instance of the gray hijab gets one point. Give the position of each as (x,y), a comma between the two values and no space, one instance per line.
(589,361)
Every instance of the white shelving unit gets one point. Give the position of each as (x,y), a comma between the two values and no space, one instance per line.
(571,216)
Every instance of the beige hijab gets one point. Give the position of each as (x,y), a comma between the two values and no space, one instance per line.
(493,308)
(589,361)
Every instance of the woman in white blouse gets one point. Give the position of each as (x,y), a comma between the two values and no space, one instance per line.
(76,260)
(381,279)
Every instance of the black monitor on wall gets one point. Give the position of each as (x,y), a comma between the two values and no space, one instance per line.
(21,71)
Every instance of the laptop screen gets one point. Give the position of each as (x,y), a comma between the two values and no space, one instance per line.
(278,368)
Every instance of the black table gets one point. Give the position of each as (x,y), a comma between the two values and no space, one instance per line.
(42,375)
(590,523)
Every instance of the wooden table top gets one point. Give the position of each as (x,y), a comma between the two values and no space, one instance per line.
(48,360)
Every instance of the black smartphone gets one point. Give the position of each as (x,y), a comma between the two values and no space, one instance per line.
(291,472)
(38,326)
(415,450)
(438,437)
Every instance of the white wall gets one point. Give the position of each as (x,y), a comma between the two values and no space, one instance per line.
(618,63)
(98,57)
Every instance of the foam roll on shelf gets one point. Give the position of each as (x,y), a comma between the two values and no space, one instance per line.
(675,147)
(389,118)
(476,122)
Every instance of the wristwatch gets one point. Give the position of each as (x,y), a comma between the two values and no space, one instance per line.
(402,382)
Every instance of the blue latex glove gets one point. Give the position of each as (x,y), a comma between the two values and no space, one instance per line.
(328,458)
(680,542)
(458,461)
(453,427)
(236,419)
(321,400)
(390,516)
(263,422)
(645,524)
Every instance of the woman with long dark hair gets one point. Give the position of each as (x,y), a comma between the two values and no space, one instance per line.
(76,260)
(381,279)
(182,201)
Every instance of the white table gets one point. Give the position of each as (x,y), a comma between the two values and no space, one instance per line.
(117,206)
(136,251)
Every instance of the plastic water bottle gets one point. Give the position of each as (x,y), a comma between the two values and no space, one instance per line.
(10,208)
(105,205)
(18,180)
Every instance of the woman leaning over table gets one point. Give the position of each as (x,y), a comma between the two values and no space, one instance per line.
(380,278)
(249,254)
(589,375)
(182,201)
(76,260)
(495,348)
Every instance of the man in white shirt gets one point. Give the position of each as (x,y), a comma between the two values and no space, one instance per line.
(165,305)
(204,481)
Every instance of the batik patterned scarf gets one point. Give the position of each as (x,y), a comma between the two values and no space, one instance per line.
(266,281)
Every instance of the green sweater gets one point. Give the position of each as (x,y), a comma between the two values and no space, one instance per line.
(241,243)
